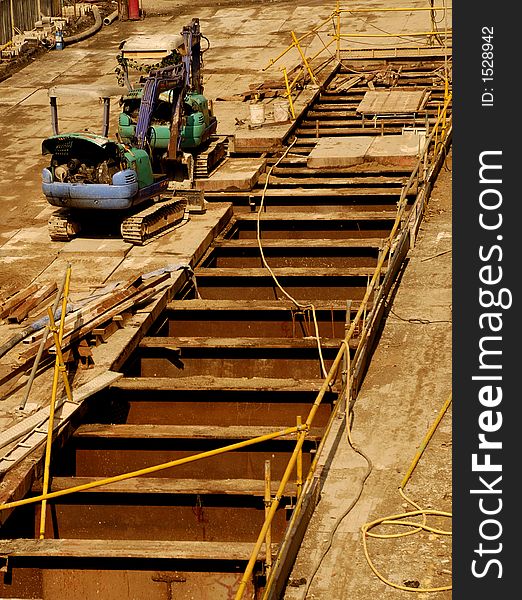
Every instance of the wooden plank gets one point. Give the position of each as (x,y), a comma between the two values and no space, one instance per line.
(21,311)
(319,181)
(304,192)
(328,115)
(100,306)
(254,343)
(106,315)
(363,170)
(164,485)
(395,101)
(34,427)
(102,334)
(16,299)
(310,131)
(127,549)
(345,215)
(255,305)
(353,177)
(300,243)
(171,432)
(259,272)
(222,384)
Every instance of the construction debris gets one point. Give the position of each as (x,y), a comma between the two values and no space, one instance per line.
(89,322)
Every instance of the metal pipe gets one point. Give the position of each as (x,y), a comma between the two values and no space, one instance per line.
(153,469)
(289,93)
(426,440)
(88,32)
(299,466)
(106,115)
(11,13)
(385,35)
(110,18)
(303,57)
(398,9)
(268,501)
(54,114)
(338,31)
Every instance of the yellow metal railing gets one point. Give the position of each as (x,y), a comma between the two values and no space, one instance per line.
(59,367)
(336,26)
(366,321)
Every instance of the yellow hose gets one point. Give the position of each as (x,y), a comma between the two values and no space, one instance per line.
(399,519)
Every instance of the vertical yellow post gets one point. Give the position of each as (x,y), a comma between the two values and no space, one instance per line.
(303,58)
(60,334)
(268,502)
(445,108)
(436,145)
(289,93)
(348,391)
(58,366)
(338,31)
(299,463)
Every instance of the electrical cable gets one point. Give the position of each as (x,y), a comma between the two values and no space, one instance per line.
(369,468)
(398,519)
(392,519)
(303,307)
(418,320)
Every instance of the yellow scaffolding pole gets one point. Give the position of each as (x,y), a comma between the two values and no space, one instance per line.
(268,500)
(289,93)
(385,35)
(299,468)
(398,9)
(303,58)
(154,469)
(59,367)
(338,31)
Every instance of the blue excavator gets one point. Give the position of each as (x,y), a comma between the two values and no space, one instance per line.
(91,175)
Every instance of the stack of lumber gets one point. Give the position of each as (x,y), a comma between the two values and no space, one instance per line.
(102,310)
(18,307)
(90,317)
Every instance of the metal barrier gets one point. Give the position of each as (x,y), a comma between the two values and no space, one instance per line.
(17,16)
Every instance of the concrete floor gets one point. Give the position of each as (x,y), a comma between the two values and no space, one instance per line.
(410,374)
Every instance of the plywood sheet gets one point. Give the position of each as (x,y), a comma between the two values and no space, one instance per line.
(392,102)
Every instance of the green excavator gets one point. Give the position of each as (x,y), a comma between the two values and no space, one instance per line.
(165,126)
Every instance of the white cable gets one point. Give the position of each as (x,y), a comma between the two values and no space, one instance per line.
(310,307)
